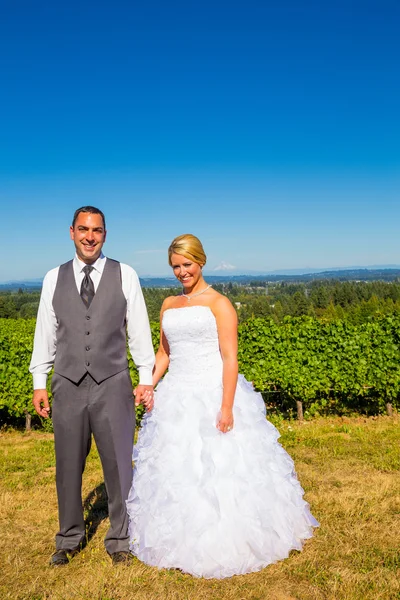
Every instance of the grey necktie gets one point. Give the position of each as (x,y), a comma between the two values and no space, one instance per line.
(87,287)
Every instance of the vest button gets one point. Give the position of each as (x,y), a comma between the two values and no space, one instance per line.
(87,332)
(87,363)
(87,317)
(87,348)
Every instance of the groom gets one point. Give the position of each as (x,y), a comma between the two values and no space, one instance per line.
(87,307)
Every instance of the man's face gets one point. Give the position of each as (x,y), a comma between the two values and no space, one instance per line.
(88,235)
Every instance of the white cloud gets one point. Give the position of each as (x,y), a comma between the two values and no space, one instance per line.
(224,266)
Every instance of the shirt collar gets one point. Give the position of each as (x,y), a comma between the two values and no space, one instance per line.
(97,266)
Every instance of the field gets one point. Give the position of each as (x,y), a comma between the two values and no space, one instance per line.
(349,468)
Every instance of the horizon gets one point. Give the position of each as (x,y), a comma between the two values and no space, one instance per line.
(229,273)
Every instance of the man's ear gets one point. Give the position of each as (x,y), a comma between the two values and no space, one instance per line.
(71,232)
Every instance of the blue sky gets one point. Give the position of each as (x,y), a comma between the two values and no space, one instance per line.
(270,130)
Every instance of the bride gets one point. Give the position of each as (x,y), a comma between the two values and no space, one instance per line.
(214,494)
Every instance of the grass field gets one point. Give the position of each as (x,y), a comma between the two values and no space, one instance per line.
(349,469)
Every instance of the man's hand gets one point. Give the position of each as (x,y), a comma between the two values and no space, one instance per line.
(144,394)
(41,397)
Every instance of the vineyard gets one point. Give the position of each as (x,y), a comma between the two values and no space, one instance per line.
(303,366)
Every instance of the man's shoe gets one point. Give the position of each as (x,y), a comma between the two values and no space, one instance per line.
(60,557)
(121,557)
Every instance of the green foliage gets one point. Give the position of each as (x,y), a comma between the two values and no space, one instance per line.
(22,304)
(353,301)
(356,301)
(16,342)
(8,309)
(332,366)
(154,297)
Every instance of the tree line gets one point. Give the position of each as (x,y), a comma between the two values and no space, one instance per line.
(355,302)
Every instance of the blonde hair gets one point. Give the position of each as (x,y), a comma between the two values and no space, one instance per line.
(190,246)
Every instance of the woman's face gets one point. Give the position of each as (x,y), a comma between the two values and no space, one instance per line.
(185,270)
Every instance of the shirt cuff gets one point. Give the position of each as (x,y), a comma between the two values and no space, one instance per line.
(145,376)
(39,381)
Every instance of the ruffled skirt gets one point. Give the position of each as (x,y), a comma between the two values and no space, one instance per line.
(213,504)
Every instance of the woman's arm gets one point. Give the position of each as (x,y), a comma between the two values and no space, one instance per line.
(226,319)
(162,354)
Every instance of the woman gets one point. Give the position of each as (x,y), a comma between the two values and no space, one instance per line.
(214,494)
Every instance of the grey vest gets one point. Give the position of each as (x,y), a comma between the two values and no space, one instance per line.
(90,340)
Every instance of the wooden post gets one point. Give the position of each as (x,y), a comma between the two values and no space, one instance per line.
(389,409)
(299,406)
(28,421)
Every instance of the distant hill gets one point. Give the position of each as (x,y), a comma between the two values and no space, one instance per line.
(298,276)
(342,275)
(28,286)
(350,274)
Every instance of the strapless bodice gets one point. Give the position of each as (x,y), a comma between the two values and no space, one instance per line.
(192,336)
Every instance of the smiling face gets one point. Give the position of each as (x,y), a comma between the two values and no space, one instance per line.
(88,235)
(186,270)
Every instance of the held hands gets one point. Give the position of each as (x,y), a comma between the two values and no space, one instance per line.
(144,394)
(225,420)
(41,397)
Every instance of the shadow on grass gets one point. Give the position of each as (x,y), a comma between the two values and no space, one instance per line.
(96,505)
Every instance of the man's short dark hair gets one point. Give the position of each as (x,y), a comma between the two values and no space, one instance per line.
(88,209)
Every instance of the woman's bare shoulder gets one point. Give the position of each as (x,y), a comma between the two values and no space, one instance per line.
(220,304)
(168,302)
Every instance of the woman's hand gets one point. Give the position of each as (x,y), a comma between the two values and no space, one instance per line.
(225,420)
(144,394)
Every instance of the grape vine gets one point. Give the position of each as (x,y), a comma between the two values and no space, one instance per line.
(326,366)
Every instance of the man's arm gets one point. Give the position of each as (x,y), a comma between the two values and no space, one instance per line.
(139,334)
(44,345)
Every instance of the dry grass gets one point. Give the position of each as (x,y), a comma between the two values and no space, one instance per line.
(349,469)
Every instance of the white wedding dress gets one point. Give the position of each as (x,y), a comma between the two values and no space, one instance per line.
(209,503)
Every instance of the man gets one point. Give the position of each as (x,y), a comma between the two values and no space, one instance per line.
(87,307)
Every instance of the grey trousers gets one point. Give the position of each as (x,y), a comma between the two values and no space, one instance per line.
(107,411)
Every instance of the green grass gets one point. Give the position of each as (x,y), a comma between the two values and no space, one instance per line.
(349,469)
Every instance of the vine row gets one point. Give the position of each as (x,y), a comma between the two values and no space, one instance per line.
(302,365)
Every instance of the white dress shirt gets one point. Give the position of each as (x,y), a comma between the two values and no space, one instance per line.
(138,328)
